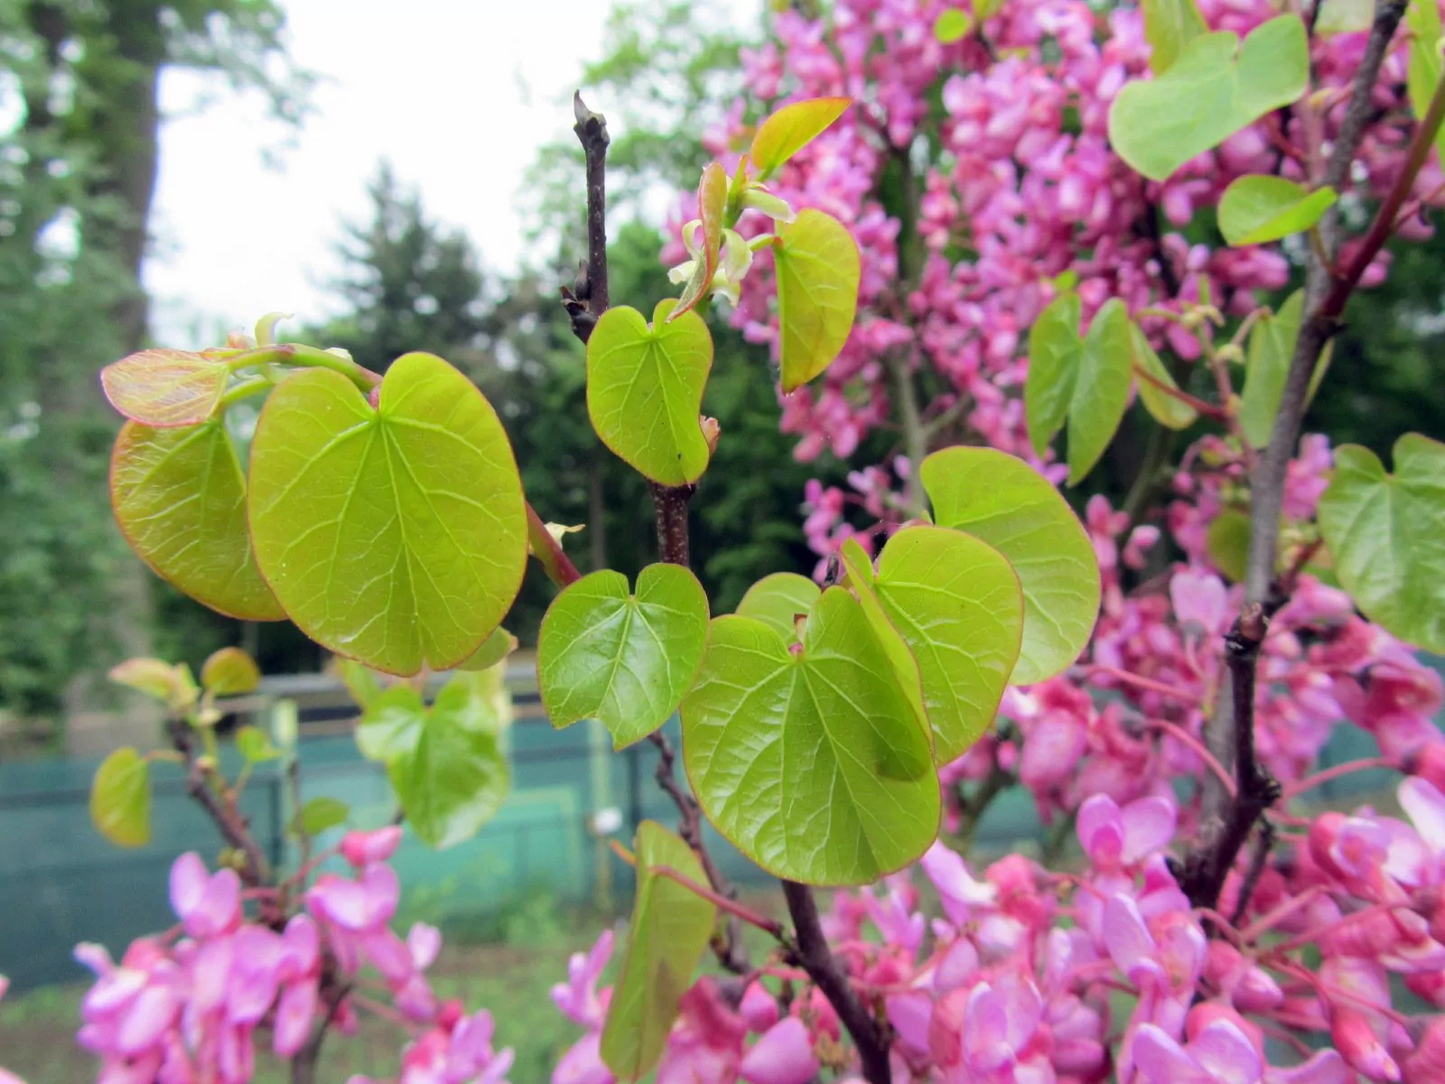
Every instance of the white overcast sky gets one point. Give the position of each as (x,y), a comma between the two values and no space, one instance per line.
(458,94)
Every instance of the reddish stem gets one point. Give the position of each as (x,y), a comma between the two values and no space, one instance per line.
(1100,670)
(732,907)
(1197,747)
(1209,410)
(1320,778)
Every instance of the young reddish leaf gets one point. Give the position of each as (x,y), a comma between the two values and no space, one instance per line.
(165,388)
(230,672)
(180,500)
(120,798)
(790,129)
(818,268)
(644,390)
(670,928)
(395,535)
(712,199)
(169,684)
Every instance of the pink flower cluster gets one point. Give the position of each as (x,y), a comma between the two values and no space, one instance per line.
(708,1044)
(1016,185)
(183,1007)
(1035,977)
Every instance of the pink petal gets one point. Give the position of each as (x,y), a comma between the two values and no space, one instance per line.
(1148,827)
(1200,598)
(147,1019)
(985,1031)
(95,957)
(582,1064)
(1129,941)
(1226,1054)
(340,901)
(782,1056)
(957,887)
(958,965)
(1161,1060)
(1426,808)
(382,893)
(759,1009)
(424,942)
(1326,1067)
(1101,830)
(910,1015)
(302,941)
(4,986)
(255,974)
(294,1013)
(1022,1006)
(363,848)
(210,971)
(188,883)
(389,954)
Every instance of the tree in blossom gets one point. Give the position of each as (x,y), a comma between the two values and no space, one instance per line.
(978,227)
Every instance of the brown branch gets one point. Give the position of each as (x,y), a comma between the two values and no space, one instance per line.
(814,957)
(1229,734)
(588,297)
(669,507)
(231,823)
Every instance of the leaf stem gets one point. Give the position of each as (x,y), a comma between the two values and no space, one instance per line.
(307,357)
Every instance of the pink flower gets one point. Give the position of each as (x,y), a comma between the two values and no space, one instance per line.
(784,1055)
(577,997)
(1219,1054)
(1112,837)
(362,849)
(208,904)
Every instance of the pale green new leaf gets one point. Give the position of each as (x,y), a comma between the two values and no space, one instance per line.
(1101,390)
(1169,26)
(814,765)
(495,649)
(790,129)
(670,929)
(1423,75)
(391,723)
(1344,17)
(1228,543)
(455,776)
(1168,410)
(779,600)
(396,536)
(230,672)
(621,659)
(817,271)
(1015,509)
(180,501)
(255,745)
(1214,88)
(120,798)
(1271,347)
(958,606)
(1054,345)
(644,390)
(1261,208)
(952,24)
(1386,533)
(321,813)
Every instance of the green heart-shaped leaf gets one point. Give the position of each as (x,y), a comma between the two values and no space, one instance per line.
(397,535)
(790,129)
(120,798)
(778,600)
(815,764)
(495,648)
(1386,533)
(1261,208)
(180,501)
(390,722)
(1214,88)
(817,270)
(958,605)
(454,776)
(165,388)
(1169,27)
(1015,509)
(1084,378)
(255,745)
(670,929)
(1168,410)
(623,660)
(644,390)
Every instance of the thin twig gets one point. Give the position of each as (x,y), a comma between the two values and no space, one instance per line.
(723,903)
(1258,859)
(814,957)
